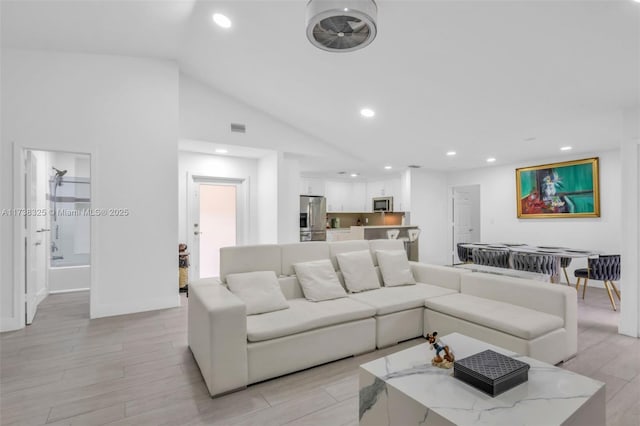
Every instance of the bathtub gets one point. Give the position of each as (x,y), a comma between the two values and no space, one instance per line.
(69,278)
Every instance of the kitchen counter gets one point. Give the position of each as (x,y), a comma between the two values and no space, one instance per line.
(378,232)
(385,226)
(338,234)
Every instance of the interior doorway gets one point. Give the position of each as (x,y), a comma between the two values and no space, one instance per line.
(465,217)
(217,220)
(57,227)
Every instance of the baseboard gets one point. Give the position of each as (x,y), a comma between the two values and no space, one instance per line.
(129,307)
(10,324)
(72,290)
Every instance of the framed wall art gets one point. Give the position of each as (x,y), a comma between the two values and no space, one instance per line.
(559,190)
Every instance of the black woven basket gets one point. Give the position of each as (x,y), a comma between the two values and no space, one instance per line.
(491,372)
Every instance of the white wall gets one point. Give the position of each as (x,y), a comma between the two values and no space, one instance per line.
(428,202)
(123,111)
(206,115)
(499,222)
(268,199)
(288,200)
(630,224)
(221,167)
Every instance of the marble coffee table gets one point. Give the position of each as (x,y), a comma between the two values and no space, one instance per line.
(405,389)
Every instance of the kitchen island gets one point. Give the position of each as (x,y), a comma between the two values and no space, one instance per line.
(380,232)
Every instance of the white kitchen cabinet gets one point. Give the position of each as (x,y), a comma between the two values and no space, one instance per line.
(385,188)
(358,201)
(375,188)
(312,186)
(337,194)
(346,196)
(339,235)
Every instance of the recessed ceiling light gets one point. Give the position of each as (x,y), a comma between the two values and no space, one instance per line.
(221,20)
(491,160)
(346,9)
(221,151)
(451,153)
(354,175)
(367,112)
(388,167)
(569,148)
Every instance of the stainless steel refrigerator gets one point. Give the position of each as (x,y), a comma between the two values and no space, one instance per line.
(313,218)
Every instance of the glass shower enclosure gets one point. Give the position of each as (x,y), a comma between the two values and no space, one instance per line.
(70,201)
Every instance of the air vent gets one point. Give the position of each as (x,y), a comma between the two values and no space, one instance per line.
(342,173)
(341,25)
(238,128)
(414,166)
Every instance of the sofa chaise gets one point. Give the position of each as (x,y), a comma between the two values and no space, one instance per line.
(233,349)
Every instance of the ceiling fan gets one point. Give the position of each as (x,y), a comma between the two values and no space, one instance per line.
(341,25)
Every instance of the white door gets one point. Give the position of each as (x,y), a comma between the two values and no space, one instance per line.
(466,210)
(216,221)
(35,236)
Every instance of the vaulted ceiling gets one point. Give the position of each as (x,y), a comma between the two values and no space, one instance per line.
(515,80)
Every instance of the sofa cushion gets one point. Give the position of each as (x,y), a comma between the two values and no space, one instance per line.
(358,271)
(394,267)
(337,247)
(238,259)
(302,252)
(386,244)
(511,319)
(442,276)
(304,315)
(260,291)
(387,300)
(319,280)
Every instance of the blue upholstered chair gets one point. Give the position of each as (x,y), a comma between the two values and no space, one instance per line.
(491,257)
(602,268)
(465,254)
(532,262)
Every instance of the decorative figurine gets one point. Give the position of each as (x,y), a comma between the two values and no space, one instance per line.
(437,345)
(183,268)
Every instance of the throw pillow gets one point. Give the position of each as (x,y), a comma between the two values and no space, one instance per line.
(395,267)
(319,281)
(259,290)
(358,271)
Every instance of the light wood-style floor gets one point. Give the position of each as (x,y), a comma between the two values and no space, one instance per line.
(137,370)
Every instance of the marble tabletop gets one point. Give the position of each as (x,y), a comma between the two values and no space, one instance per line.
(525,248)
(505,271)
(551,395)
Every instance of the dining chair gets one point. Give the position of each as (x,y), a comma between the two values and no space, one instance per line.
(533,262)
(392,234)
(605,268)
(413,234)
(465,254)
(491,257)
(564,264)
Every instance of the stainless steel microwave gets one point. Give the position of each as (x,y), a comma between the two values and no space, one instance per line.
(383,204)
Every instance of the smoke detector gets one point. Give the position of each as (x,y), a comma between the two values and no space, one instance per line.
(341,25)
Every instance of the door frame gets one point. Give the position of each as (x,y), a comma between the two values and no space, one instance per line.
(19,230)
(242,212)
(30,223)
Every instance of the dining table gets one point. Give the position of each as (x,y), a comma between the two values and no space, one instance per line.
(556,251)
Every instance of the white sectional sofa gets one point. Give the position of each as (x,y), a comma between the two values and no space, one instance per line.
(234,349)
